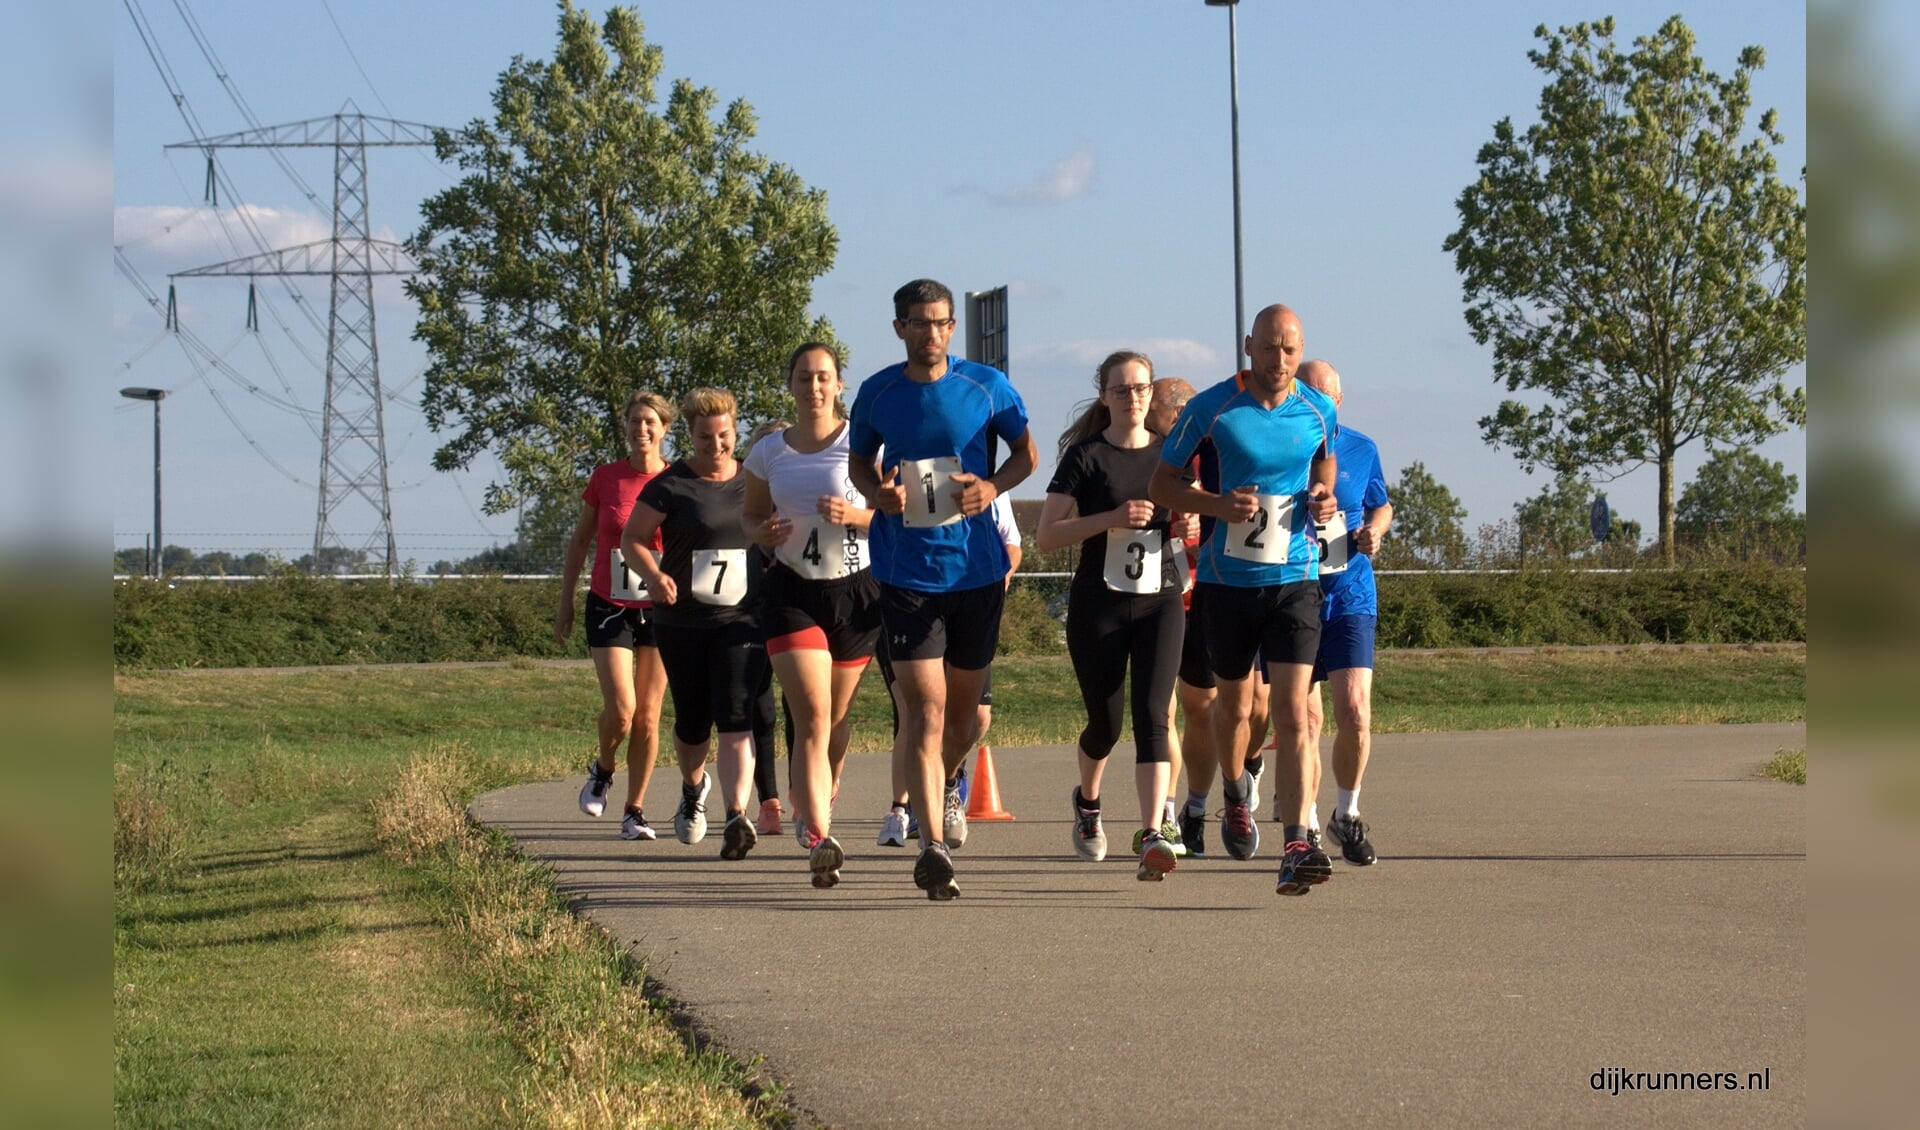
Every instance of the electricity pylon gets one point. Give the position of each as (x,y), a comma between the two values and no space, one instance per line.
(353,442)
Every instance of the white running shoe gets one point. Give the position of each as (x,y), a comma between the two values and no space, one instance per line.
(893,829)
(690,820)
(635,827)
(593,794)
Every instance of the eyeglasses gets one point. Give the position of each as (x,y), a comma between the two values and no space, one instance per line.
(922,325)
(1131,392)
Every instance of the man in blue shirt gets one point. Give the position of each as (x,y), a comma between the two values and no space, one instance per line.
(1257,574)
(941,563)
(1349,613)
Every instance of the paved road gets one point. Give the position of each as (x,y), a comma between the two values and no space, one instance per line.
(1548,905)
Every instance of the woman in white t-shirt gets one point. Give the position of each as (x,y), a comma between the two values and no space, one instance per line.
(821,610)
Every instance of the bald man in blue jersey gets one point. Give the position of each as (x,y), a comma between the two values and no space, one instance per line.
(1257,576)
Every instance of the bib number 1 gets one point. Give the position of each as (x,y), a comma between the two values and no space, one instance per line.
(929,483)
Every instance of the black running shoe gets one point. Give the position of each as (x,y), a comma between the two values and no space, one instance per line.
(1302,867)
(738,838)
(1193,832)
(933,873)
(1238,832)
(1351,835)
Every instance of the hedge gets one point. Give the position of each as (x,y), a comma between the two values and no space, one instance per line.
(295,620)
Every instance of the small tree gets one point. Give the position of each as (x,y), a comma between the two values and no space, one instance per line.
(1633,257)
(1740,499)
(595,246)
(1427,523)
(1558,520)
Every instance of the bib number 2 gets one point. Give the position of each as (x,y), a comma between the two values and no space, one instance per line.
(1264,538)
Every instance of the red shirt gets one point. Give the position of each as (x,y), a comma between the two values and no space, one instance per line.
(611,491)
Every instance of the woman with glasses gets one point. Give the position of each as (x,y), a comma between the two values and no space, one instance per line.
(1123,604)
(705,582)
(619,632)
(822,608)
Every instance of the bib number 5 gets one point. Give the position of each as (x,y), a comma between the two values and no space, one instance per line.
(1336,547)
(719,576)
(1264,538)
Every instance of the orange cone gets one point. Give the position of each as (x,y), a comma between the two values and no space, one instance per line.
(983,799)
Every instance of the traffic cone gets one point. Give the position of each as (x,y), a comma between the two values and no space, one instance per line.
(983,800)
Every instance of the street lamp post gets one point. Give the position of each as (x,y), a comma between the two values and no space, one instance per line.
(1239,270)
(156,395)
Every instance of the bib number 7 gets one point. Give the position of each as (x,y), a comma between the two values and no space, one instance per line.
(719,576)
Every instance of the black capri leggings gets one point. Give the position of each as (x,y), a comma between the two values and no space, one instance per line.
(716,675)
(1107,631)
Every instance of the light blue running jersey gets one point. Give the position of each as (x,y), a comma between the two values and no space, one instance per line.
(950,416)
(1358,487)
(1269,449)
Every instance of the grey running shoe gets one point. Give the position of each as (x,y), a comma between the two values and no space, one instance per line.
(955,819)
(1089,838)
(635,826)
(1351,835)
(1156,858)
(933,873)
(1256,769)
(893,829)
(1302,867)
(690,821)
(1238,831)
(738,837)
(1193,832)
(593,794)
(825,861)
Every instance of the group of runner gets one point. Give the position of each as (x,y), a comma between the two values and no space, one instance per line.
(1209,525)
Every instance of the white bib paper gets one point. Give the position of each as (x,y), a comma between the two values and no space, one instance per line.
(1336,547)
(1263,538)
(1177,549)
(1133,560)
(929,484)
(623,583)
(719,576)
(820,550)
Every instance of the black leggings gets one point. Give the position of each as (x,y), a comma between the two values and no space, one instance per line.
(715,675)
(1106,631)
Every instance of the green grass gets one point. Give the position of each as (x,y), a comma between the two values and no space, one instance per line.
(273,965)
(1789,765)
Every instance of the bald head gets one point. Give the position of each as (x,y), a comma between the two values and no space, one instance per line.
(1322,376)
(1170,395)
(1274,319)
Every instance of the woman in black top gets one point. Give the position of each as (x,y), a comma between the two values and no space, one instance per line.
(1124,601)
(706,587)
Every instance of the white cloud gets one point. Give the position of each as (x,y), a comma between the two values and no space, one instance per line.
(1069,178)
(195,233)
(1172,356)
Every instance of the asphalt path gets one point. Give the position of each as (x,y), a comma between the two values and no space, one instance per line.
(1551,908)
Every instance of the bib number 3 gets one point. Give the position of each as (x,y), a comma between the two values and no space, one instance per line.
(719,576)
(1133,561)
(1264,538)
(929,484)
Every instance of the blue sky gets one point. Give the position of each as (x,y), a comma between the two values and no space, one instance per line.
(1076,152)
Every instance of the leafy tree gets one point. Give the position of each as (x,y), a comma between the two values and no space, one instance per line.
(1558,520)
(595,246)
(1633,257)
(1741,501)
(1427,530)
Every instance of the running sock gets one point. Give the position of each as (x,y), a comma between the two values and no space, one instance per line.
(733,812)
(1296,834)
(1166,811)
(1236,791)
(1347,804)
(1080,799)
(1313,815)
(1257,763)
(1197,803)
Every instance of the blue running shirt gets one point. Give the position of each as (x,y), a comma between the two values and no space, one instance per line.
(1358,487)
(1269,449)
(951,416)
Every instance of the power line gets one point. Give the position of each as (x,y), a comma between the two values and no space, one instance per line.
(337,30)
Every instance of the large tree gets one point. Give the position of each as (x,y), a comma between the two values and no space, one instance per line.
(1633,258)
(597,244)
(1427,530)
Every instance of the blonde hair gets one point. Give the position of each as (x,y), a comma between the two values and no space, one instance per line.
(660,405)
(766,428)
(1096,417)
(704,402)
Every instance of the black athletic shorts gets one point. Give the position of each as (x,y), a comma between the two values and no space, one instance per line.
(1280,623)
(1196,670)
(961,627)
(840,617)
(615,625)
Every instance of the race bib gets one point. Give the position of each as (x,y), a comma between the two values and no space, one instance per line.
(1263,539)
(1177,549)
(1133,560)
(929,484)
(1336,547)
(820,550)
(719,576)
(623,583)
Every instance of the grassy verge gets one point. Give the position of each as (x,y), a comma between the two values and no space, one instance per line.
(1789,765)
(307,933)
